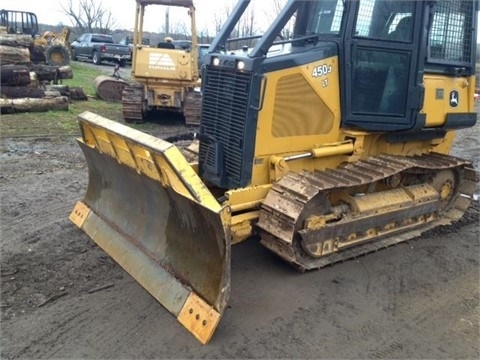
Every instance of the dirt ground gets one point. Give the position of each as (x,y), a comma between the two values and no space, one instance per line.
(63,297)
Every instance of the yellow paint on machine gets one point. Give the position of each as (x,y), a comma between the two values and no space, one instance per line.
(129,149)
(305,111)
(438,97)
(185,269)
(199,318)
(163,64)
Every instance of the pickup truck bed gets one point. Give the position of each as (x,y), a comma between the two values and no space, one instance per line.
(100,47)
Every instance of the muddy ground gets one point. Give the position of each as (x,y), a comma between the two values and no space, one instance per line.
(63,297)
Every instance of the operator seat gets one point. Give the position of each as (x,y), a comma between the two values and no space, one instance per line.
(393,98)
(165,45)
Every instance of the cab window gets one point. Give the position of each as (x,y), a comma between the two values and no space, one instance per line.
(385,20)
(326,17)
(450,38)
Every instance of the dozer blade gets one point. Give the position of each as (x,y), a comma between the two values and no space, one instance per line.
(147,208)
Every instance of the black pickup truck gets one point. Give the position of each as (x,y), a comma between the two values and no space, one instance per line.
(100,47)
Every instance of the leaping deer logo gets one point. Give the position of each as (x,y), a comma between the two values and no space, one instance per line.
(454,98)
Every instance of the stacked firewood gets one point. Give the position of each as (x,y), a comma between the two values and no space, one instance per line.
(30,87)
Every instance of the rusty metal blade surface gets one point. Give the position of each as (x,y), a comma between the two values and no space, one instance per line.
(157,228)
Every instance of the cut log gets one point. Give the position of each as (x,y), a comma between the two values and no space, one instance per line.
(34,79)
(17,75)
(65,72)
(64,90)
(14,55)
(18,92)
(33,105)
(51,73)
(16,40)
(44,72)
(51,94)
(109,88)
(72,92)
(77,93)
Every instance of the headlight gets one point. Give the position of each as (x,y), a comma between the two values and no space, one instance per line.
(240,65)
(215,61)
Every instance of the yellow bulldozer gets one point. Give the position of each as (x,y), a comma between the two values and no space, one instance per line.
(327,145)
(167,78)
(49,47)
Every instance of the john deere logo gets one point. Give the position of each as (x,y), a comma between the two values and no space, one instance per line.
(454,98)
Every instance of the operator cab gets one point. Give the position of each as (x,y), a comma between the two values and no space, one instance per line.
(384,54)
(382,47)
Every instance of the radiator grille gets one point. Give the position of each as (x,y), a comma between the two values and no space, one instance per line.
(225,103)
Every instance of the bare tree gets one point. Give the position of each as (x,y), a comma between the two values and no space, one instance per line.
(274,11)
(246,26)
(89,16)
(221,15)
(180,29)
(218,21)
(204,35)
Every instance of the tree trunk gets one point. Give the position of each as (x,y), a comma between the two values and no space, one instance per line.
(77,93)
(16,40)
(52,73)
(33,105)
(34,79)
(51,94)
(14,55)
(72,92)
(109,88)
(64,90)
(17,75)
(65,72)
(44,72)
(18,92)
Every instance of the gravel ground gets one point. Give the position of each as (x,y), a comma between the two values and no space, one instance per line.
(416,300)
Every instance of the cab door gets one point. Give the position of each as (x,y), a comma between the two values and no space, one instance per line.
(382,86)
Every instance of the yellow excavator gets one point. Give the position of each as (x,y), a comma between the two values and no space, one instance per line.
(328,145)
(167,78)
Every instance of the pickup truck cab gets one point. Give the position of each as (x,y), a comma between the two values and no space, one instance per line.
(129,42)
(100,47)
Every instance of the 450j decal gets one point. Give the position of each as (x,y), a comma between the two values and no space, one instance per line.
(321,71)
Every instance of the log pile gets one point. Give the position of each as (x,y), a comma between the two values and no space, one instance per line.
(26,86)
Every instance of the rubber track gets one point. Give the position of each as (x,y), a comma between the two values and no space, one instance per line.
(295,190)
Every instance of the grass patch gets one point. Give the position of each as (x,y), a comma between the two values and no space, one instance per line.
(56,122)
(62,122)
(83,76)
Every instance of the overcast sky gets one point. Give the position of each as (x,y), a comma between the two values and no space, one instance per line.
(50,12)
